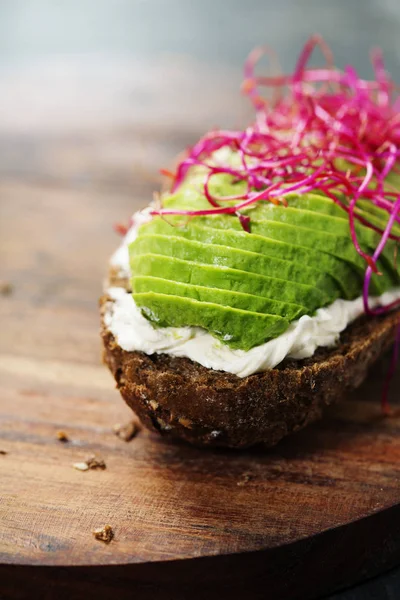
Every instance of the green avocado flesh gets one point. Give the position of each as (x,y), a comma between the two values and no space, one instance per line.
(246,288)
(156,265)
(246,329)
(233,299)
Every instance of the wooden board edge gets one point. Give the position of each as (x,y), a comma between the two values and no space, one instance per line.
(309,568)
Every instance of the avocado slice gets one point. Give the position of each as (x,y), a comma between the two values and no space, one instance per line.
(347,278)
(174,269)
(314,222)
(317,203)
(338,246)
(223,297)
(325,206)
(376,215)
(314,219)
(320,206)
(237,328)
(213,254)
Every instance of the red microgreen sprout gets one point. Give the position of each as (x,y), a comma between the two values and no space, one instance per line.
(167,173)
(120,228)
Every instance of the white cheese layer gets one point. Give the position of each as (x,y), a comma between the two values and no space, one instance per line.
(134,332)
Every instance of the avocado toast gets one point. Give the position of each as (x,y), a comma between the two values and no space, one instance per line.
(263,284)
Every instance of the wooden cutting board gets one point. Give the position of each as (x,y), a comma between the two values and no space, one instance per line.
(319,511)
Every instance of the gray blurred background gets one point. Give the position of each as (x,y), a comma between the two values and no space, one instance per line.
(216,30)
(76,63)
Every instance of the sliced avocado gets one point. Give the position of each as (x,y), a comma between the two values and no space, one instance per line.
(321,207)
(223,297)
(213,254)
(174,269)
(392,180)
(338,246)
(318,222)
(191,197)
(314,219)
(237,328)
(367,209)
(247,287)
(317,203)
(324,205)
(347,277)
(315,208)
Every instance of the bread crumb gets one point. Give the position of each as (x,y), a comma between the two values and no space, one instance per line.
(185,422)
(90,463)
(94,462)
(6,288)
(245,479)
(62,436)
(104,534)
(128,431)
(81,466)
(154,405)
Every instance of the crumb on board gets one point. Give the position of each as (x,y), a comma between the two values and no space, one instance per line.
(104,534)
(62,436)
(246,477)
(93,462)
(6,288)
(3,452)
(128,431)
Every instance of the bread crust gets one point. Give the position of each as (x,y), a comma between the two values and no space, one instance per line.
(182,399)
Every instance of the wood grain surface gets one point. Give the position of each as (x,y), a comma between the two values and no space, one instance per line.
(319,511)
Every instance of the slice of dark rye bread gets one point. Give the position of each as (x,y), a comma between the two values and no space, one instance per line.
(182,399)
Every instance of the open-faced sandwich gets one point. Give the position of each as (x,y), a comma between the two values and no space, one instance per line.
(263,285)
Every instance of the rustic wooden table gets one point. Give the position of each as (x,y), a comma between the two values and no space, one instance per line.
(80,147)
